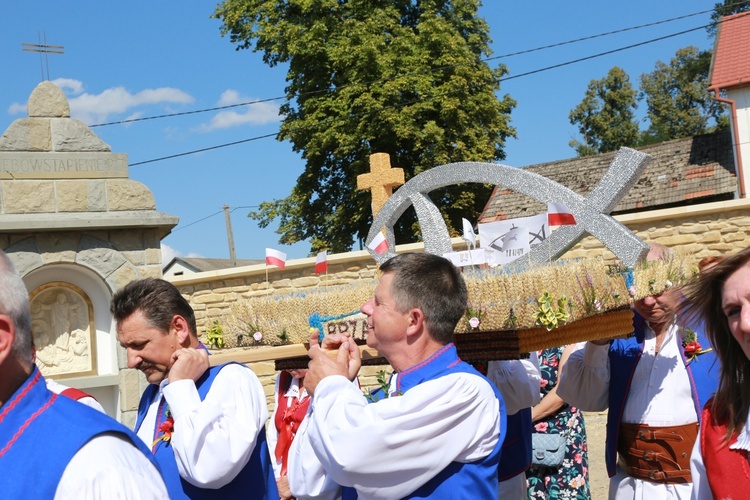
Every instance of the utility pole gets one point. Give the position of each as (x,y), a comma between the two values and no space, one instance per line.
(45,49)
(230,236)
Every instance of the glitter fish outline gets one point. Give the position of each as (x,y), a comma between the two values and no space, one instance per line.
(591,212)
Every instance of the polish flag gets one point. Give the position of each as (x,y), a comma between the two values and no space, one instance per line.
(321,262)
(378,244)
(559,215)
(275,258)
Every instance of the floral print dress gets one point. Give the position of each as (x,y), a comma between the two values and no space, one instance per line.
(571,479)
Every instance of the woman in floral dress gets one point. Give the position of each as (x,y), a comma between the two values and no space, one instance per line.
(553,415)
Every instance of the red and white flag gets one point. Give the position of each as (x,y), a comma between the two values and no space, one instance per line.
(378,244)
(275,258)
(321,262)
(559,215)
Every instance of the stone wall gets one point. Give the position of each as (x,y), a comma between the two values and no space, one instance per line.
(699,231)
(211,294)
(117,256)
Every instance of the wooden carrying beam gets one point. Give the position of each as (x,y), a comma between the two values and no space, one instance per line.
(472,347)
(276,353)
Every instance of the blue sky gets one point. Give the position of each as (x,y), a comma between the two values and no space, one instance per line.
(141,58)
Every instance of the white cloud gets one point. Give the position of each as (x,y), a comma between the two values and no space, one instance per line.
(112,102)
(16,108)
(74,86)
(252,114)
(95,108)
(168,253)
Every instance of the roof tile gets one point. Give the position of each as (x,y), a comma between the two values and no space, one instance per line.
(698,168)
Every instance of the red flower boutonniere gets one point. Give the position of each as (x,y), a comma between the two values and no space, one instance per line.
(166,428)
(690,345)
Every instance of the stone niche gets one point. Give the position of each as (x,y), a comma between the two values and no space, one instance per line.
(77,229)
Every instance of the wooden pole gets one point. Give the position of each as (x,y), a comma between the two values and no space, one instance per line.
(278,352)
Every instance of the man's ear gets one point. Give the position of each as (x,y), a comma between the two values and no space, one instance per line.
(7,336)
(180,327)
(415,317)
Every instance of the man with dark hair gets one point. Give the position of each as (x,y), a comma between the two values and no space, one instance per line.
(204,425)
(435,431)
(51,446)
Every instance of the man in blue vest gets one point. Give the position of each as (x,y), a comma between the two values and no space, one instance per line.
(50,445)
(654,384)
(434,430)
(204,425)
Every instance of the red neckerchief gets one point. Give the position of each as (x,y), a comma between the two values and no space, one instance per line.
(288,422)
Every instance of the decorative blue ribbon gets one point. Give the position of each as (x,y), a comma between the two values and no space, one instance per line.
(316,321)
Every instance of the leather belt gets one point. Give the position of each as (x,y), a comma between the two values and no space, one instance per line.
(657,454)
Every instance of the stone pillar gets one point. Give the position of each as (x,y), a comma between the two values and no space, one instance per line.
(71,217)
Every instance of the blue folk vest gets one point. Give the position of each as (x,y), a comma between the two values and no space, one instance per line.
(624,355)
(254,482)
(41,431)
(516,455)
(458,480)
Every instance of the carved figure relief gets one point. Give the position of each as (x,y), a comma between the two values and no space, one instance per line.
(62,326)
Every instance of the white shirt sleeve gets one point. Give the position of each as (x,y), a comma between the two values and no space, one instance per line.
(110,467)
(213,439)
(584,381)
(89,401)
(92,403)
(701,489)
(307,477)
(390,448)
(518,381)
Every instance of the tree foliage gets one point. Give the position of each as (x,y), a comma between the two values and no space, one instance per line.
(380,76)
(677,99)
(606,116)
(677,96)
(726,8)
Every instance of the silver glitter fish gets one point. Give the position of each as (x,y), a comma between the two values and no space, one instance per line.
(591,212)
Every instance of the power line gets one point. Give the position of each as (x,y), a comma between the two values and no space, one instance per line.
(406,75)
(426,99)
(196,222)
(601,54)
(203,149)
(212,215)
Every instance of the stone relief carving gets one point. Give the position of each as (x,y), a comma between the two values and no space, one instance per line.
(62,325)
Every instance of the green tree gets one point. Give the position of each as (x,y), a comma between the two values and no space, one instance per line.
(677,96)
(726,8)
(606,116)
(382,76)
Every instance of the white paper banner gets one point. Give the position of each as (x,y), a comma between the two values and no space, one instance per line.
(491,233)
(467,257)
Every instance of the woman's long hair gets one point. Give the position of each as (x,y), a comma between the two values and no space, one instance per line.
(704,297)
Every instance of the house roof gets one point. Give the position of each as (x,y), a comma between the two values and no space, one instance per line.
(730,67)
(198,265)
(682,171)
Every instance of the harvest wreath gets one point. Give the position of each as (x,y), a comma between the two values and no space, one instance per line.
(508,315)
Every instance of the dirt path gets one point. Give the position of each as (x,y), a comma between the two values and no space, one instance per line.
(596,423)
